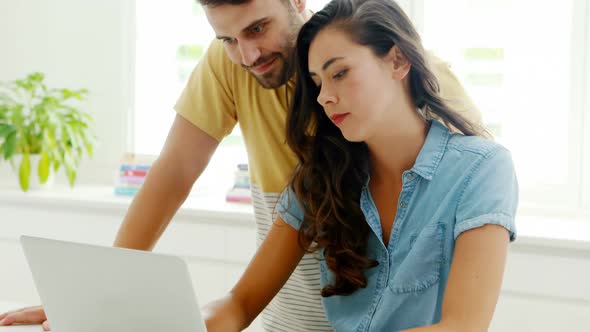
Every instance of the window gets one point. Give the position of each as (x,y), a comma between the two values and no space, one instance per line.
(524,64)
(171,37)
(521,63)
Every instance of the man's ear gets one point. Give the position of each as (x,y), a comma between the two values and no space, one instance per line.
(299,5)
(400,64)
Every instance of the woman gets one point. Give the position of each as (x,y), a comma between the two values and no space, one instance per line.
(410,220)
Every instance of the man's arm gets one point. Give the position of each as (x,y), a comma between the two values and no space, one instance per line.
(185,155)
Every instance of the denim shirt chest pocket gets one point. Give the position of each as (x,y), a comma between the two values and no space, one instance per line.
(421,267)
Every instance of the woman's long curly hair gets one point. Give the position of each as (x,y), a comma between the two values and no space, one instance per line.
(332,171)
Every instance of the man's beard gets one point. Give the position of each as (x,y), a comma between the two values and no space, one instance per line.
(280,73)
(285,59)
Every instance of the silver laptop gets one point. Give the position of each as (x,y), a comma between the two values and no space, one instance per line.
(93,288)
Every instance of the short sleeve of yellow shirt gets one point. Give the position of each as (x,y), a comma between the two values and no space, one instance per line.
(221,94)
(207,100)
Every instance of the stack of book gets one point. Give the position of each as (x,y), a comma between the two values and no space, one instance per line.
(132,173)
(240,192)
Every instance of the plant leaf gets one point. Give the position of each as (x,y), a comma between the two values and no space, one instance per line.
(24,172)
(70,166)
(44,169)
(10,145)
(56,165)
(36,77)
(6,129)
(89,147)
(50,140)
(47,121)
(71,173)
(69,135)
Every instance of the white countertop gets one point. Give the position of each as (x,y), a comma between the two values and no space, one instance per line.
(570,233)
(200,204)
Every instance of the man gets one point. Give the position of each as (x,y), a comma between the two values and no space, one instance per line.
(246,78)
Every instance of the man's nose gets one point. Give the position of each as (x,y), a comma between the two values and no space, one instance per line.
(249,52)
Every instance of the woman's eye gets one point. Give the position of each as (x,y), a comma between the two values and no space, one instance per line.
(340,74)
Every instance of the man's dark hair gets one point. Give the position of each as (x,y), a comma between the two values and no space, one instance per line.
(215,3)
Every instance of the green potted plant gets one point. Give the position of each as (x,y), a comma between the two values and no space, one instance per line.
(41,128)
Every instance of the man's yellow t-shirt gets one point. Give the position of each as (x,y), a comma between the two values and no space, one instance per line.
(219,95)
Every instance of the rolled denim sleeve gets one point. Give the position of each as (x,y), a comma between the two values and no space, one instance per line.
(490,195)
(289,208)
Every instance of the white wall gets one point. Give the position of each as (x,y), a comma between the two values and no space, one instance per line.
(77,44)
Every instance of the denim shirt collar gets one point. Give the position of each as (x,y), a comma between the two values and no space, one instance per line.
(432,151)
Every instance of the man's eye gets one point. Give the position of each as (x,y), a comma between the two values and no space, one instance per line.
(257,29)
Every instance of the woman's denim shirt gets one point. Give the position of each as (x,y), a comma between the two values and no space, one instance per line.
(457,183)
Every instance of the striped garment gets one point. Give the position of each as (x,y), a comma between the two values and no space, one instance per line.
(297,307)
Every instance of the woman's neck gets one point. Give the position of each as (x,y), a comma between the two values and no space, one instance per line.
(395,148)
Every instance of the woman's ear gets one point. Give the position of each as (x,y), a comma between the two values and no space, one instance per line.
(399,63)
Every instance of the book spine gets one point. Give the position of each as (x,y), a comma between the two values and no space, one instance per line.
(130,167)
(131,179)
(126,191)
(134,173)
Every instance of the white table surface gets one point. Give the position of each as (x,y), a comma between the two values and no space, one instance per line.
(6,306)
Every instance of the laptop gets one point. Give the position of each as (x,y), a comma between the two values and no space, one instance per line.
(98,289)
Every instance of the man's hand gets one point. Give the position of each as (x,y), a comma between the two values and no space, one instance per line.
(28,315)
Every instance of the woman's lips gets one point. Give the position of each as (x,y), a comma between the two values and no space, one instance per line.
(338,118)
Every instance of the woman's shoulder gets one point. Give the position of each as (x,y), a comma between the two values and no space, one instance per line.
(478,147)
(471,152)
